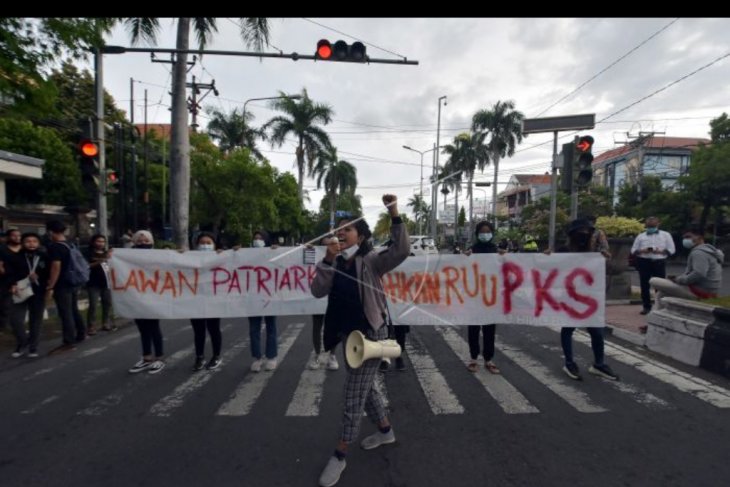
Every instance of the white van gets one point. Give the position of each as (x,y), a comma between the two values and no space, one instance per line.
(422,245)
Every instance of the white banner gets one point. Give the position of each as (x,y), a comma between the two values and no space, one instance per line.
(533,289)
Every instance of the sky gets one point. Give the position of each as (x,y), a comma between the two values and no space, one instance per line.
(537,63)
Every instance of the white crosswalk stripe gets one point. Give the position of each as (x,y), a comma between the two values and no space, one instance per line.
(507,396)
(244,397)
(309,392)
(441,399)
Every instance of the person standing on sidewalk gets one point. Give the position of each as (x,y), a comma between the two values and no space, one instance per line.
(580,234)
(8,254)
(350,276)
(484,245)
(31,263)
(651,249)
(206,243)
(64,294)
(254,326)
(149,329)
(98,287)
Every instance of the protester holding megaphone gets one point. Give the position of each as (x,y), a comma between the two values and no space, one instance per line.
(350,276)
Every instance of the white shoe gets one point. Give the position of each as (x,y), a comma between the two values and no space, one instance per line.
(377,439)
(256,365)
(332,362)
(314,364)
(270,364)
(156,367)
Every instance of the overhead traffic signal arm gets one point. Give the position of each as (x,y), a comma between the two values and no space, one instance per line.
(341,51)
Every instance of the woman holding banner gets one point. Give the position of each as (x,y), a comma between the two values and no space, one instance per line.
(350,275)
(149,330)
(254,323)
(485,245)
(206,242)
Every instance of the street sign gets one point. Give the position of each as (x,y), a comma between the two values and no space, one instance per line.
(553,124)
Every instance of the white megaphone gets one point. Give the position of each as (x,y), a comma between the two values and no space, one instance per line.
(358,349)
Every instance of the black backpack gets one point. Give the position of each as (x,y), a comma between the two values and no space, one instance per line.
(77,271)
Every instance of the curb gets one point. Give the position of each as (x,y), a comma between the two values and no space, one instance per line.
(626,335)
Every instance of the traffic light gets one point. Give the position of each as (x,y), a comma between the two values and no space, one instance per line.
(112,181)
(566,173)
(88,152)
(582,162)
(341,51)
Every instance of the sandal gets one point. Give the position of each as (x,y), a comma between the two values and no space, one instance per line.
(491,367)
(473,366)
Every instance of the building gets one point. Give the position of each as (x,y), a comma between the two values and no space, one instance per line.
(522,189)
(665,157)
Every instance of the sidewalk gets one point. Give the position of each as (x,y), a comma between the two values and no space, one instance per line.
(623,321)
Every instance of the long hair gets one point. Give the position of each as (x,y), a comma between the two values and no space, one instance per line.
(363,230)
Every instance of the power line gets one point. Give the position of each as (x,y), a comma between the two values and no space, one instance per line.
(355,38)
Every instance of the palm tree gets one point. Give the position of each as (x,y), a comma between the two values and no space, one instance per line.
(302,122)
(336,176)
(255,33)
(503,125)
(467,154)
(421,210)
(231,130)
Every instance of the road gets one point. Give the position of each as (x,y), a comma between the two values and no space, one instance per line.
(81,419)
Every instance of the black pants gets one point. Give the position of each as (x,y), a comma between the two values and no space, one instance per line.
(400,337)
(34,307)
(216,338)
(150,333)
(649,268)
(317,325)
(488,332)
(67,305)
(6,307)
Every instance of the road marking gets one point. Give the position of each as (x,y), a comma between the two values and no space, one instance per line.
(507,396)
(439,395)
(35,408)
(245,395)
(308,394)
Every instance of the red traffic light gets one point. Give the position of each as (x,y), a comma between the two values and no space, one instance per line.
(585,143)
(89,148)
(112,176)
(324,49)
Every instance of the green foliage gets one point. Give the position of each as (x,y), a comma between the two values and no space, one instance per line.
(708,181)
(720,129)
(619,226)
(462,217)
(61,182)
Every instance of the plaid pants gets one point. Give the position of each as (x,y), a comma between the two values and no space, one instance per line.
(360,395)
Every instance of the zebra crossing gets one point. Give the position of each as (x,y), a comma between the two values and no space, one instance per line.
(430,373)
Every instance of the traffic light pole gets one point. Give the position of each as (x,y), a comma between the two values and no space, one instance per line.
(101,211)
(574,204)
(553,193)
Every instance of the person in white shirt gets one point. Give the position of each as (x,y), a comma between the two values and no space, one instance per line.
(651,249)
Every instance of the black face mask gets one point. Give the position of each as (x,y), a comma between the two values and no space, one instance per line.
(581,240)
(143,246)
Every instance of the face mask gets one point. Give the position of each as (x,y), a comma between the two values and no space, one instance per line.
(206,247)
(259,243)
(350,251)
(143,246)
(484,237)
(687,243)
(651,230)
(581,239)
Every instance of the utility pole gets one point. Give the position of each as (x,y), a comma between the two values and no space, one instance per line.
(146,195)
(101,211)
(133,171)
(194,103)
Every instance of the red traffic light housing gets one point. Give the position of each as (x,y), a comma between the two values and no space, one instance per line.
(583,161)
(341,51)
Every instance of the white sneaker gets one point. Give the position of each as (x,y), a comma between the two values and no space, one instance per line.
(256,365)
(19,352)
(271,364)
(377,439)
(139,366)
(314,364)
(156,367)
(332,472)
(332,362)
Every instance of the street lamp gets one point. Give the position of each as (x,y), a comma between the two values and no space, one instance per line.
(433,209)
(434,197)
(293,97)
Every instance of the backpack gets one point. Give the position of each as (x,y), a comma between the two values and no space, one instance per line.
(77,271)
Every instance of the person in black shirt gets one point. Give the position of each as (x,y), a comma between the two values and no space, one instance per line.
(8,252)
(485,245)
(98,287)
(30,262)
(65,295)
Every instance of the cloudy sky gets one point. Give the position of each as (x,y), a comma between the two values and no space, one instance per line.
(474,62)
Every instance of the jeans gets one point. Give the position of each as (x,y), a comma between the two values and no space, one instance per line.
(566,340)
(216,338)
(255,335)
(96,293)
(34,307)
(67,304)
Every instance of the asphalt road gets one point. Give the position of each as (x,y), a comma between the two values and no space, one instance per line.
(80,419)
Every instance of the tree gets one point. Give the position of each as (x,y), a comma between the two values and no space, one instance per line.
(29,46)
(255,32)
(232,130)
(503,125)
(381,232)
(720,129)
(61,183)
(302,122)
(708,181)
(421,211)
(336,175)
(630,197)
